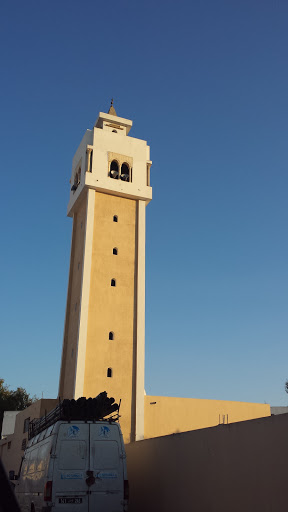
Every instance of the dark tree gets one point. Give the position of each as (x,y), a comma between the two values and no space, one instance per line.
(13,400)
(286,386)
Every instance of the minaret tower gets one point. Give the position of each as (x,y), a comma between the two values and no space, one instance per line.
(104,333)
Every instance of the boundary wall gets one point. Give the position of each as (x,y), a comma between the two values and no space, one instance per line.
(229,468)
(171,415)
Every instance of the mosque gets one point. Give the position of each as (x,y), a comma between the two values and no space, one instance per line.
(104,333)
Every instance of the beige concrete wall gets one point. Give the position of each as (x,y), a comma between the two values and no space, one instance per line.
(11,454)
(113,308)
(73,306)
(165,415)
(229,468)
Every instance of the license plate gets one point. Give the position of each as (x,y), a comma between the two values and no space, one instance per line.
(70,501)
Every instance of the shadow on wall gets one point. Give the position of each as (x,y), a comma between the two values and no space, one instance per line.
(229,468)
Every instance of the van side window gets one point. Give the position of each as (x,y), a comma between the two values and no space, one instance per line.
(32,461)
(25,464)
(43,456)
(106,455)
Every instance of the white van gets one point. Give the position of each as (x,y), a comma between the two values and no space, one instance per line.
(75,466)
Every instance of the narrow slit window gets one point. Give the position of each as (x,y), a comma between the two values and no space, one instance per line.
(109,372)
(115,218)
(113,282)
(111,335)
(115,250)
(26,425)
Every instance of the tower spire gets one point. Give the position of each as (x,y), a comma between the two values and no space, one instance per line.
(112,110)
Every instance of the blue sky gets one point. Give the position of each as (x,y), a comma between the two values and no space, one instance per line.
(205,83)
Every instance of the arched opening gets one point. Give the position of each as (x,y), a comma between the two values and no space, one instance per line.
(77,179)
(125,172)
(91,161)
(109,372)
(148,175)
(115,218)
(114,170)
(114,131)
(113,282)
(111,335)
(115,251)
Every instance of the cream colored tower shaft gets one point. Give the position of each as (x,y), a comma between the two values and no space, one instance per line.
(140,301)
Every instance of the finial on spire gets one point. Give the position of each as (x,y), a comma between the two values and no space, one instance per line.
(112,110)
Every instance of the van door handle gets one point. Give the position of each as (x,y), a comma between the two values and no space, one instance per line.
(90,480)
